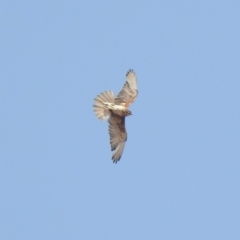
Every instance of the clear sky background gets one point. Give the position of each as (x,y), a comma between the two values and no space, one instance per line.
(179,176)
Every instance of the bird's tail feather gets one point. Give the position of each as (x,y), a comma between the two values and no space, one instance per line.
(99,106)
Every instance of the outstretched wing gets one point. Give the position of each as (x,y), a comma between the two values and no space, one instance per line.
(118,135)
(129,92)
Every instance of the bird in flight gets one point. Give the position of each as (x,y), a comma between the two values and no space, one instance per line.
(115,109)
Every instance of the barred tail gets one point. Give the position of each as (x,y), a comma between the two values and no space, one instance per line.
(99,104)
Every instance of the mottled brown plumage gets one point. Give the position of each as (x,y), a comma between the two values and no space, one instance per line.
(116,109)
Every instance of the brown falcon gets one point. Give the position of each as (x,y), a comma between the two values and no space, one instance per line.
(116,109)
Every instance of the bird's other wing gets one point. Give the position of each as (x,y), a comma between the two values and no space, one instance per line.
(118,135)
(129,92)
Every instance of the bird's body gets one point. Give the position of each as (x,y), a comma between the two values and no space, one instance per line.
(116,109)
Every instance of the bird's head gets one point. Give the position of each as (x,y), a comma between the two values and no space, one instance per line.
(128,113)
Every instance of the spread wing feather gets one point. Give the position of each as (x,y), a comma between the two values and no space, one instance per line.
(118,135)
(129,92)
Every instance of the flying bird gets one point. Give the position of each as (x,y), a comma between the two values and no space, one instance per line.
(115,109)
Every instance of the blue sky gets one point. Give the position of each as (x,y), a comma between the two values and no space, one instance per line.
(178,177)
